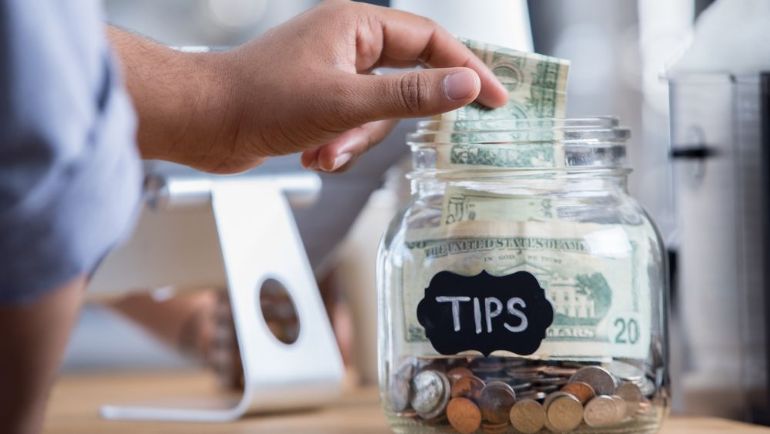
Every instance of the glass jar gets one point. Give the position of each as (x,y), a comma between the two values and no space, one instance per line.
(522,289)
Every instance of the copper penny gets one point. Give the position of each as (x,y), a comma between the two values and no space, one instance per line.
(464,415)
(601,411)
(564,412)
(580,390)
(527,416)
(455,374)
(633,396)
(599,378)
(494,428)
(468,387)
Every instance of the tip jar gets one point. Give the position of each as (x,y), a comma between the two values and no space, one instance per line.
(522,290)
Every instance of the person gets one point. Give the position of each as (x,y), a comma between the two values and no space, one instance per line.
(73,127)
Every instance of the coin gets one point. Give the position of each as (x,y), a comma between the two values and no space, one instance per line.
(399,393)
(645,406)
(467,387)
(527,369)
(464,415)
(459,372)
(531,394)
(580,390)
(517,387)
(599,378)
(527,416)
(438,365)
(524,372)
(497,378)
(547,388)
(621,408)
(625,371)
(407,414)
(487,366)
(494,428)
(563,411)
(496,401)
(647,386)
(550,380)
(632,395)
(514,363)
(439,421)
(600,411)
(430,393)
(523,376)
(556,371)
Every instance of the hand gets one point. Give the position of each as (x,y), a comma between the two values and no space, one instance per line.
(306,86)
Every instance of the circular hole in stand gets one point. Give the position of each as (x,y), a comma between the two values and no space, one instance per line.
(279,311)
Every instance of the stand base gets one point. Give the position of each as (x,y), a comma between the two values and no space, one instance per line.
(259,241)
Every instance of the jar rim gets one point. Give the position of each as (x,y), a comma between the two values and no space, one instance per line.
(501,125)
(576,144)
(598,130)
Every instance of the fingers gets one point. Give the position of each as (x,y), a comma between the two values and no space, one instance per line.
(410,38)
(345,149)
(404,95)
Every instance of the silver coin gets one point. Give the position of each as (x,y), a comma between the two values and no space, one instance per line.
(647,386)
(399,394)
(625,371)
(430,393)
(400,391)
(597,377)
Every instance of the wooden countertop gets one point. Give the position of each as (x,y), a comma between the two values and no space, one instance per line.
(75,403)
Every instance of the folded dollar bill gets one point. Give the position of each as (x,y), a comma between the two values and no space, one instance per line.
(536,91)
(537,85)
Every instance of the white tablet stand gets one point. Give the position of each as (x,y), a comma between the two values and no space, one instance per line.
(234,233)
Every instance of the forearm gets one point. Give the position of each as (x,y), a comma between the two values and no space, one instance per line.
(31,343)
(181,99)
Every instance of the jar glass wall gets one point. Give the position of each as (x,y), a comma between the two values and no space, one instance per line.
(522,289)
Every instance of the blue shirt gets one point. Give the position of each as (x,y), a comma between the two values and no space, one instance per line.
(70,178)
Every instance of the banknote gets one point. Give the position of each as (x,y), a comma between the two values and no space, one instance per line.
(595,275)
(536,87)
(462,204)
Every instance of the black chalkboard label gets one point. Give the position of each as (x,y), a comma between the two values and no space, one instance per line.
(485,313)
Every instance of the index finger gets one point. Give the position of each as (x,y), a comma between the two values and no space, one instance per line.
(411,39)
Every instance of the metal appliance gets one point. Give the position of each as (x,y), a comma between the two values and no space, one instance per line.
(237,234)
(720,143)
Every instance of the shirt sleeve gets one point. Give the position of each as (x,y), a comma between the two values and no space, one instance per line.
(70,177)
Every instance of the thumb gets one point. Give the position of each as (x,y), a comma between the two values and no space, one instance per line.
(414,94)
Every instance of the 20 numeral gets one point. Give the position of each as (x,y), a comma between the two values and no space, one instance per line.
(627,331)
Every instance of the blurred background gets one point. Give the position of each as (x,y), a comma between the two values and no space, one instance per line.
(694,171)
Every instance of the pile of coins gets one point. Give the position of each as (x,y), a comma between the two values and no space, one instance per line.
(495,395)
